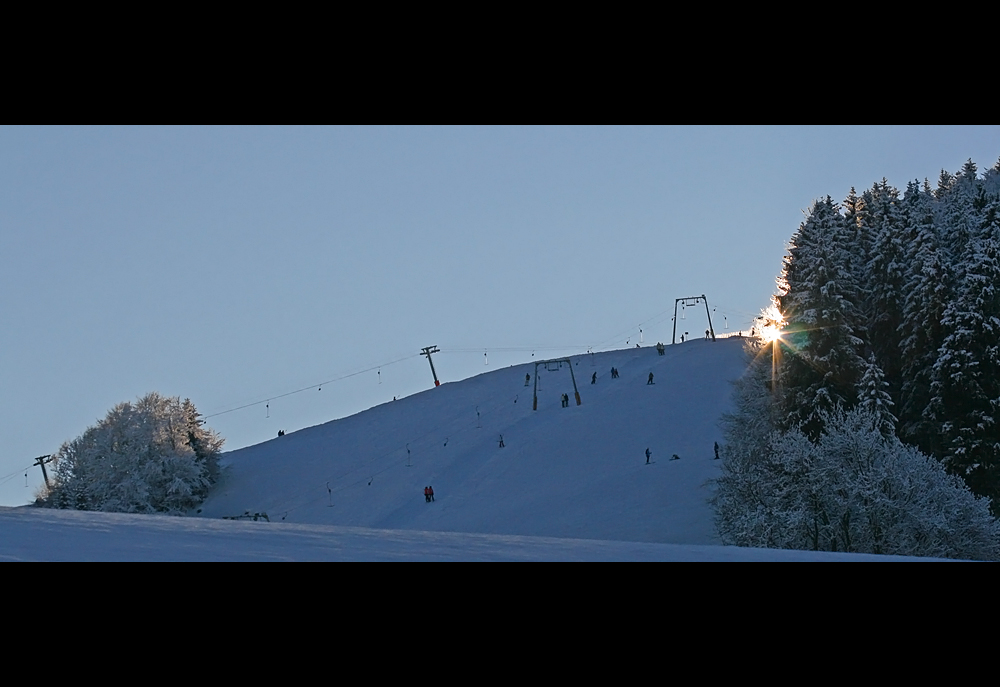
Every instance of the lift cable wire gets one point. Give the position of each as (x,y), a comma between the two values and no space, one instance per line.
(310,387)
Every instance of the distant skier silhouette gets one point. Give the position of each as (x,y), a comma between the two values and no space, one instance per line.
(593,379)
(650,380)
(648,454)
(501,441)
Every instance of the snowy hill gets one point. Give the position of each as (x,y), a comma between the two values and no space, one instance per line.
(570,484)
(576,472)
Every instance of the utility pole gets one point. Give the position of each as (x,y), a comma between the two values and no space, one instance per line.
(40,461)
(427,350)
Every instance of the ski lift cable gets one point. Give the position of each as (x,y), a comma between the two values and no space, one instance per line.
(16,472)
(626,332)
(512,348)
(310,387)
(8,478)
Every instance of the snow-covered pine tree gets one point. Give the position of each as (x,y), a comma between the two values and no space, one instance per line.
(821,364)
(959,217)
(152,456)
(965,383)
(874,398)
(927,292)
(991,179)
(857,238)
(885,280)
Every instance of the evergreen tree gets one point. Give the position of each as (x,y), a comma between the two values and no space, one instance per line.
(874,399)
(820,365)
(885,281)
(921,332)
(966,376)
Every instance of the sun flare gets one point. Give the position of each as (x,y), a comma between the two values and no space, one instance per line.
(772,323)
(770,333)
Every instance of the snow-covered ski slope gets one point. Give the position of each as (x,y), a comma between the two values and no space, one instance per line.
(576,472)
(571,484)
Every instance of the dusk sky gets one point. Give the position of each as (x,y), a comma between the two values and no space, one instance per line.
(233,266)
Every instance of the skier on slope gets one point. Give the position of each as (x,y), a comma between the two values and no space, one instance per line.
(593,379)
(650,380)
(648,454)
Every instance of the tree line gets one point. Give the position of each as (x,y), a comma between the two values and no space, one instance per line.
(891,320)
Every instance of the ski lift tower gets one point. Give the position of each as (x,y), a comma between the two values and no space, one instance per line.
(692,300)
(427,350)
(552,366)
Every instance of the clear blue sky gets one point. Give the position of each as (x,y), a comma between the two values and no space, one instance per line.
(234,265)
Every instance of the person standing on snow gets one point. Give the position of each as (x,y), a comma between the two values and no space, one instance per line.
(593,379)
(648,454)
(650,381)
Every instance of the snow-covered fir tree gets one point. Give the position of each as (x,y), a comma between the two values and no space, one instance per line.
(874,399)
(151,456)
(921,333)
(821,364)
(885,279)
(965,383)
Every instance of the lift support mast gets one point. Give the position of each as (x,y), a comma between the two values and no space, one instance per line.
(427,350)
(692,300)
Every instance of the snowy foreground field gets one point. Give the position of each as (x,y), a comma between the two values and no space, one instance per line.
(569,484)
(31,534)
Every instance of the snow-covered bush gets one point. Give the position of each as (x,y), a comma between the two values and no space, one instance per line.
(852,490)
(151,456)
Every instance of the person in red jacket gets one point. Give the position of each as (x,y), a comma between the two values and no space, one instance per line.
(427,494)
(430,491)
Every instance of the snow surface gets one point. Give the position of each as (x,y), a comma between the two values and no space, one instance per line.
(570,484)
(575,472)
(36,534)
